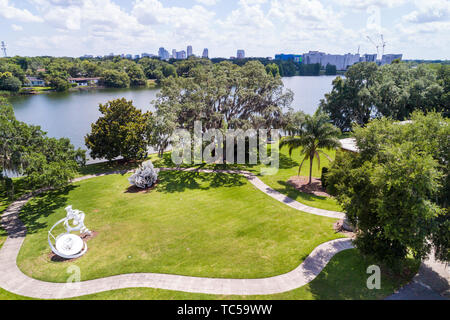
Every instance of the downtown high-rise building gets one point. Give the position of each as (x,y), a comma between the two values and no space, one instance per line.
(240,54)
(205,53)
(189,51)
(163,54)
(181,55)
(174,53)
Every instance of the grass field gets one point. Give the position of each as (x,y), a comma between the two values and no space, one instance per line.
(211,225)
(344,278)
(289,166)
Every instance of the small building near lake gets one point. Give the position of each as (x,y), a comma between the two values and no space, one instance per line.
(84,82)
(36,82)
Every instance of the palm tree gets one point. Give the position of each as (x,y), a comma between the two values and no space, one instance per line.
(314,134)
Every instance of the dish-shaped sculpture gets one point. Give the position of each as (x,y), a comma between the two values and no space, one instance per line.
(68,245)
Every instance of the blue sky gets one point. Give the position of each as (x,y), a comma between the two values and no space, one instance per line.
(418,29)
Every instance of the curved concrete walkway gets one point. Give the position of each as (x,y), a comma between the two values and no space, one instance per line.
(13,280)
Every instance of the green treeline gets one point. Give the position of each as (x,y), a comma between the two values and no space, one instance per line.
(395,91)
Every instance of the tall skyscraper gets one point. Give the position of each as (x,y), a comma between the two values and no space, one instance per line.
(181,55)
(205,53)
(174,53)
(189,51)
(240,54)
(163,54)
(388,58)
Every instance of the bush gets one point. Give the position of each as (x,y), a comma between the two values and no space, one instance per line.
(145,177)
(323,177)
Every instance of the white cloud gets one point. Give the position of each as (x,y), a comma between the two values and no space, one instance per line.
(429,11)
(261,27)
(15,27)
(9,11)
(248,14)
(364,4)
(207,2)
(298,11)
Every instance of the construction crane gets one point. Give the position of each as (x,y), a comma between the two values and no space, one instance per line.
(383,43)
(377,46)
(3,47)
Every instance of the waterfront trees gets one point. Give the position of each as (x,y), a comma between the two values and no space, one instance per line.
(58,82)
(224,96)
(330,70)
(26,150)
(273,69)
(120,132)
(136,75)
(8,82)
(116,79)
(394,91)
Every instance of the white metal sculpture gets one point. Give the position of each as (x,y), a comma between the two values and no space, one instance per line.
(145,177)
(68,245)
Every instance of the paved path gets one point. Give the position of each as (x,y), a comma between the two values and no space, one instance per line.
(432,282)
(13,280)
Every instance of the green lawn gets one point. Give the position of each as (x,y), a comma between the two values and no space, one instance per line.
(344,278)
(252,245)
(212,225)
(289,168)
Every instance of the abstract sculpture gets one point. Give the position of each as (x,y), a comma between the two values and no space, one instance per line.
(145,177)
(67,245)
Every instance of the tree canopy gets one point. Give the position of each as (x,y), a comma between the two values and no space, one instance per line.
(224,96)
(396,189)
(395,91)
(122,131)
(26,150)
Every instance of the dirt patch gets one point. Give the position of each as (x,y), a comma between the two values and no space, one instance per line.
(315,188)
(86,237)
(134,189)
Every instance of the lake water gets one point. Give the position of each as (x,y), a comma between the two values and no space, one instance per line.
(71,114)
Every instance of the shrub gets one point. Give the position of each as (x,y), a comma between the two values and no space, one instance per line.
(323,177)
(145,176)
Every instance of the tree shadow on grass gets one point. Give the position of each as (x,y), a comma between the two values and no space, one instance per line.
(290,191)
(287,162)
(113,166)
(345,278)
(43,205)
(179,181)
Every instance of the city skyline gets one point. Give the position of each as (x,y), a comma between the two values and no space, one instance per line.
(261,27)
